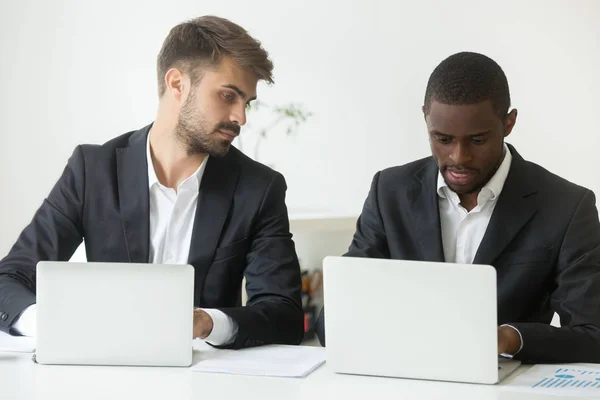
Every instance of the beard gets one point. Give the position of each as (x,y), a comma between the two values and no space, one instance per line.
(195,133)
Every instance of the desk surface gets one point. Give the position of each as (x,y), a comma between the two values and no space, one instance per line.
(22,379)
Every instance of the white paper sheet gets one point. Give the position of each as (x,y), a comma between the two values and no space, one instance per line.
(21,344)
(560,380)
(273,360)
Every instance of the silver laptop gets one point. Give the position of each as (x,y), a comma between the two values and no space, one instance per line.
(412,319)
(114,314)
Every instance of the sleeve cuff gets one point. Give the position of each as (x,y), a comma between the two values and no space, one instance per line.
(506,355)
(224,328)
(26,323)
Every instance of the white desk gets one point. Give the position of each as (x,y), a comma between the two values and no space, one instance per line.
(21,379)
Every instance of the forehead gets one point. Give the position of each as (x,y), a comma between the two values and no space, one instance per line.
(229,72)
(465,119)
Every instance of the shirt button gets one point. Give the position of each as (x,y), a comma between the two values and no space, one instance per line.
(3,316)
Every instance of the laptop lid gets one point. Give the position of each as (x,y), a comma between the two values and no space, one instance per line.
(114,314)
(411,319)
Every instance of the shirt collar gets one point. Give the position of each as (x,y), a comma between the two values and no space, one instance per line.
(492,188)
(194,179)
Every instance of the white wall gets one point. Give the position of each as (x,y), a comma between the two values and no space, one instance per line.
(75,71)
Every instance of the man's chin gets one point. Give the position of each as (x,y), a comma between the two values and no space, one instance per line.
(463,190)
(221,151)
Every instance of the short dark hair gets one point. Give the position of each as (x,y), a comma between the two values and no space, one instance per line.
(201,42)
(468,78)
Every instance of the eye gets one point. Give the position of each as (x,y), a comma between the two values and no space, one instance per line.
(443,139)
(478,141)
(228,97)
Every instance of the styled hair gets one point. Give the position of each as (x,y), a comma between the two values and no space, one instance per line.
(200,43)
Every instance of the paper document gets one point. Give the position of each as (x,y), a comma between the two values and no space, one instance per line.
(21,344)
(560,380)
(273,360)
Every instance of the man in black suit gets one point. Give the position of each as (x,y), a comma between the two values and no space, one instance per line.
(176,192)
(478,201)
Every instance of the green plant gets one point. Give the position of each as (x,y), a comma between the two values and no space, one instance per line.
(291,116)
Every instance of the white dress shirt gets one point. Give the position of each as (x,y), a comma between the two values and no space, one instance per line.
(462,230)
(172,215)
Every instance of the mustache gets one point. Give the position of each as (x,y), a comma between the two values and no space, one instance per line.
(228,126)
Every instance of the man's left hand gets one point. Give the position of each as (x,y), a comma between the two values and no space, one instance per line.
(509,341)
(203,324)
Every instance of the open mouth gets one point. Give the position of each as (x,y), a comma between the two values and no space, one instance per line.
(460,178)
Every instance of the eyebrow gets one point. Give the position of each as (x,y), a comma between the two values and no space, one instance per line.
(434,132)
(481,134)
(239,91)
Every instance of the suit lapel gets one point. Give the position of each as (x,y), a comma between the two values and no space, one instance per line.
(214,202)
(425,211)
(517,203)
(132,173)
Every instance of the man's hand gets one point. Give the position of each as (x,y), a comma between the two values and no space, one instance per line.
(203,324)
(509,341)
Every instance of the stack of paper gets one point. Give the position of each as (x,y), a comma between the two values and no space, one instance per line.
(273,360)
(563,380)
(19,344)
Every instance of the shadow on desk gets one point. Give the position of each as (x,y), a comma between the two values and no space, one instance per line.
(9,357)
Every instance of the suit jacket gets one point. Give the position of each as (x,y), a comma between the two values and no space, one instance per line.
(241,229)
(543,240)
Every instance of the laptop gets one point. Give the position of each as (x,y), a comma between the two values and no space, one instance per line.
(412,319)
(114,314)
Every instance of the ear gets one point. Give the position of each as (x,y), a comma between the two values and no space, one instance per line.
(423,110)
(176,83)
(510,121)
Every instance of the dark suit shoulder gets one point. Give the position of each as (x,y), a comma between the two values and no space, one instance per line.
(110,146)
(250,168)
(99,161)
(551,183)
(402,173)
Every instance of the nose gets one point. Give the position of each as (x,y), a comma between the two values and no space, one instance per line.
(238,115)
(461,154)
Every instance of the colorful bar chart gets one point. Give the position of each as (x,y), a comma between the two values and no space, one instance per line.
(570,378)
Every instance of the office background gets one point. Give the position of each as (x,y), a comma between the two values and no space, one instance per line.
(83,72)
